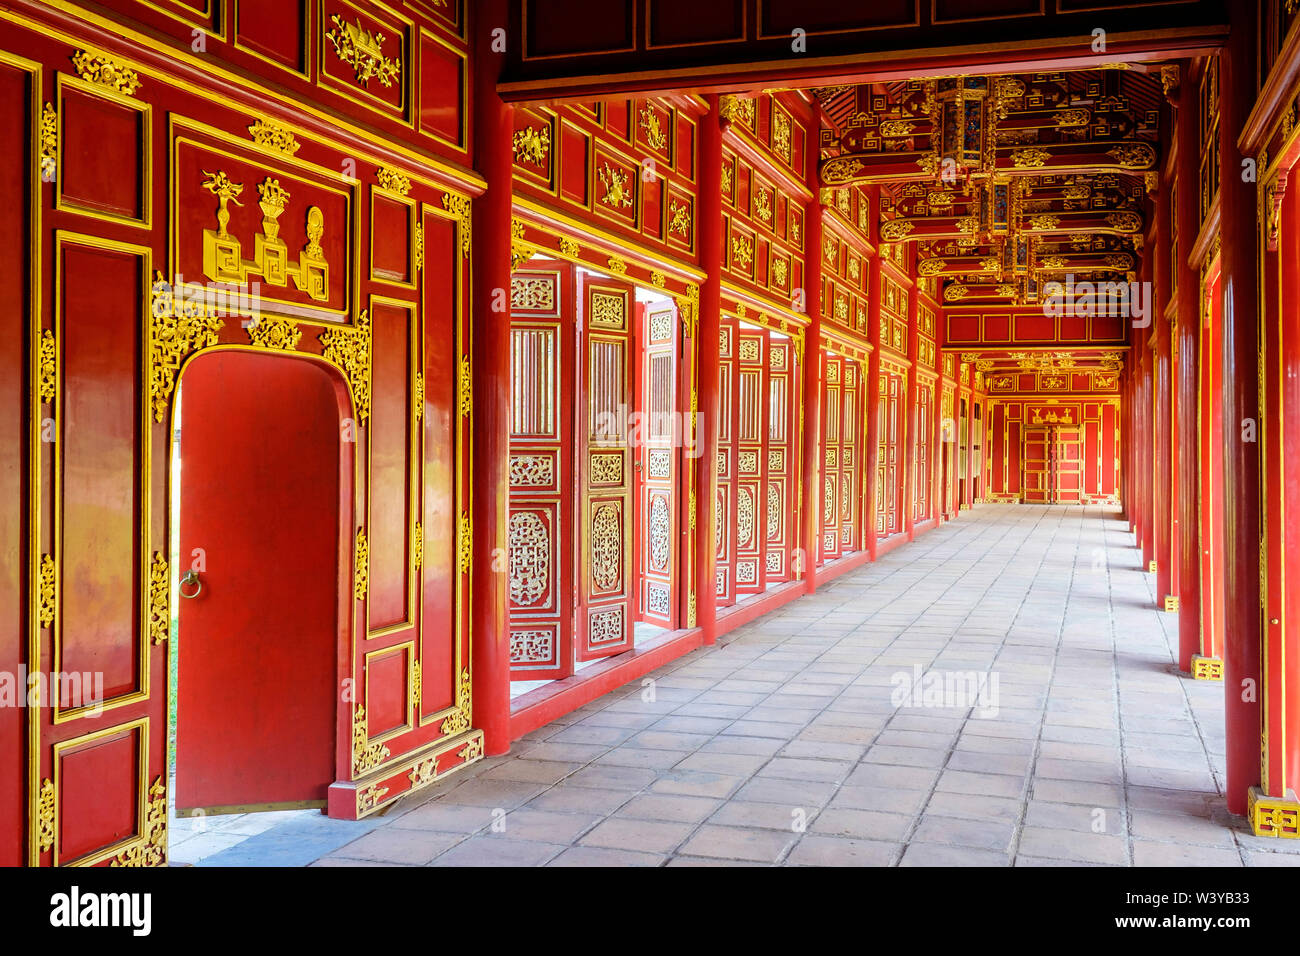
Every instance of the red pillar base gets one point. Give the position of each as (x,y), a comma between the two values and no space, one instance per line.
(1207,668)
(1273,816)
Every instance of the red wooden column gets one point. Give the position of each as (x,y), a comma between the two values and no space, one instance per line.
(708,224)
(910,477)
(1145,411)
(872,385)
(1127,494)
(1278,312)
(1241,491)
(1186,223)
(1274,810)
(490,667)
(1161,472)
(810,494)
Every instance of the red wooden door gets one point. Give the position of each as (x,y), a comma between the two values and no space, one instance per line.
(605,570)
(258,645)
(922,477)
(1038,464)
(832,412)
(657,434)
(780,463)
(540,529)
(852,441)
(724,522)
(751,454)
(888,496)
(1067,465)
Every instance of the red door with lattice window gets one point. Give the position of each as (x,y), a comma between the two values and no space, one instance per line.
(656,443)
(540,528)
(606,308)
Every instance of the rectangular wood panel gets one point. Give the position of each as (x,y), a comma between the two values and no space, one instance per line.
(100,480)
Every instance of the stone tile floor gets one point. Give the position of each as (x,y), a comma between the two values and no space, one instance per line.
(794,742)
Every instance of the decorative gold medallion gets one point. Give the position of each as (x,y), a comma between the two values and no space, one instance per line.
(276,137)
(97,68)
(393,180)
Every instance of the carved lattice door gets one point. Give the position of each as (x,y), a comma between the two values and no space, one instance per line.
(724,524)
(780,464)
(658,433)
(851,441)
(832,411)
(540,535)
(922,477)
(751,454)
(604,619)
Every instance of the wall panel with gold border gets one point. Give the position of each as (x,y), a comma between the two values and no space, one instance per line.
(156,187)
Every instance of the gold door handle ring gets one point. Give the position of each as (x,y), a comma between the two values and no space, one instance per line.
(191,577)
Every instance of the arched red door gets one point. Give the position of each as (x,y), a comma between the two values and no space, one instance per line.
(265,475)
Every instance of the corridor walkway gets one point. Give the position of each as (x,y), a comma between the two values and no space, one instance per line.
(793,741)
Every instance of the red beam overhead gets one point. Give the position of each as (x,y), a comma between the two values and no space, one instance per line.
(647,46)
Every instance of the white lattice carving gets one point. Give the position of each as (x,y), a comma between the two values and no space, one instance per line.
(607,469)
(529,566)
(606,626)
(659,532)
(744,517)
(659,463)
(532,647)
(606,548)
(532,470)
(656,599)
